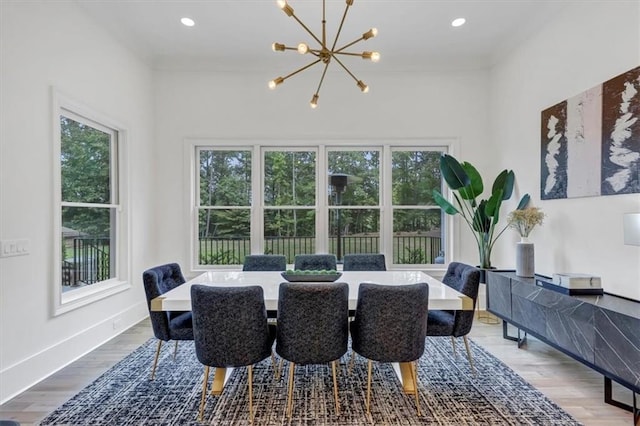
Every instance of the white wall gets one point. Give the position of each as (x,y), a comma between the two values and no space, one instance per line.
(239,106)
(589,43)
(46,44)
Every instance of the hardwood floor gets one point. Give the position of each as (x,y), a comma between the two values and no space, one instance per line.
(574,387)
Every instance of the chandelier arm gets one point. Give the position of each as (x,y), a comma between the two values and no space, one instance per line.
(307,29)
(322,78)
(301,69)
(344,16)
(345,68)
(348,45)
(324,26)
(349,53)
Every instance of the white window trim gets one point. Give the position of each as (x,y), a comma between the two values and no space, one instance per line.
(449,144)
(67,301)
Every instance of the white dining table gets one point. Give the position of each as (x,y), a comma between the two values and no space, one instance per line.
(440,297)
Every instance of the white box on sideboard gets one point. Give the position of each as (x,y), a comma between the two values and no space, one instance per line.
(569,280)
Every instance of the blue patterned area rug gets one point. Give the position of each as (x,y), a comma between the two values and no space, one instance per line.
(450,394)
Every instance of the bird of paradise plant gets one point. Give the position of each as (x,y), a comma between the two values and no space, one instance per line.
(481,215)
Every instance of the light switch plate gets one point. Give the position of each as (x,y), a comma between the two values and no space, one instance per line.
(10,248)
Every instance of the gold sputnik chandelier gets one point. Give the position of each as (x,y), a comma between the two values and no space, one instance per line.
(324,54)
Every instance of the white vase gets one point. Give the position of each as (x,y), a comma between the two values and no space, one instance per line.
(525,261)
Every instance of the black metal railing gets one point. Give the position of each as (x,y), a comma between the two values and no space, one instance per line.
(89,263)
(413,249)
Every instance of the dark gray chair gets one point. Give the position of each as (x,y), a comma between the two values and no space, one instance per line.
(390,326)
(364,262)
(307,262)
(264,262)
(466,280)
(230,330)
(169,325)
(312,328)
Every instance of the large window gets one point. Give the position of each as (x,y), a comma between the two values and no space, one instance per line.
(318,199)
(91,213)
(354,201)
(289,202)
(224,206)
(417,220)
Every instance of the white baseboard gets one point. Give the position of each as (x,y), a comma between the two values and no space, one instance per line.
(20,376)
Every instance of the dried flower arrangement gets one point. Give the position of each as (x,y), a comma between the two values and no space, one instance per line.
(525,220)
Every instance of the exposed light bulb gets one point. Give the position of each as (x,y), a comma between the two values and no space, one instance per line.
(372,56)
(187,22)
(363,87)
(277,47)
(314,102)
(303,48)
(458,22)
(371,33)
(273,83)
(281,3)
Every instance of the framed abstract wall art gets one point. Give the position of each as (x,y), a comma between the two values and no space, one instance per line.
(590,143)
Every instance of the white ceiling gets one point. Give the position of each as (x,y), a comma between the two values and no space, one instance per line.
(237,34)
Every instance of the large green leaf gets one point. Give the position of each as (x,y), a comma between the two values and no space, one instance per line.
(453,173)
(481,222)
(475,186)
(445,205)
(494,202)
(505,181)
(523,202)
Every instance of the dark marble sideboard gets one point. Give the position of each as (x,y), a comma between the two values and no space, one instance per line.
(602,332)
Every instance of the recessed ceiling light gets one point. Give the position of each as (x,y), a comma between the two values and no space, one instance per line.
(458,22)
(188,22)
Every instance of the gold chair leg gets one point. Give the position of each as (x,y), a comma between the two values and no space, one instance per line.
(466,344)
(205,380)
(335,387)
(290,390)
(251,394)
(351,361)
(414,373)
(155,362)
(175,351)
(369,387)
(279,369)
(453,343)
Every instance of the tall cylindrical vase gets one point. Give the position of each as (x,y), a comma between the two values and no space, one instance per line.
(525,265)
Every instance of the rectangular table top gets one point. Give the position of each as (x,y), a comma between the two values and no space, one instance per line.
(440,295)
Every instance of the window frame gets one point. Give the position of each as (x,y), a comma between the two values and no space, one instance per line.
(321,147)
(70,300)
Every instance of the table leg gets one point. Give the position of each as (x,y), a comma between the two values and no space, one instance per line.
(219,379)
(405,374)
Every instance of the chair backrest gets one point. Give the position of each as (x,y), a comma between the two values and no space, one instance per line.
(264,262)
(230,325)
(315,262)
(364,262)
(465,279)
(157,281)
(390,324)
(313,322)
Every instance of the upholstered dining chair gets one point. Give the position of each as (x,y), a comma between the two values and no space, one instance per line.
(315,262)
(312,328)
(230,330)
(264,262)
(390,326)
(167,325)
(364,262)
(465,279)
